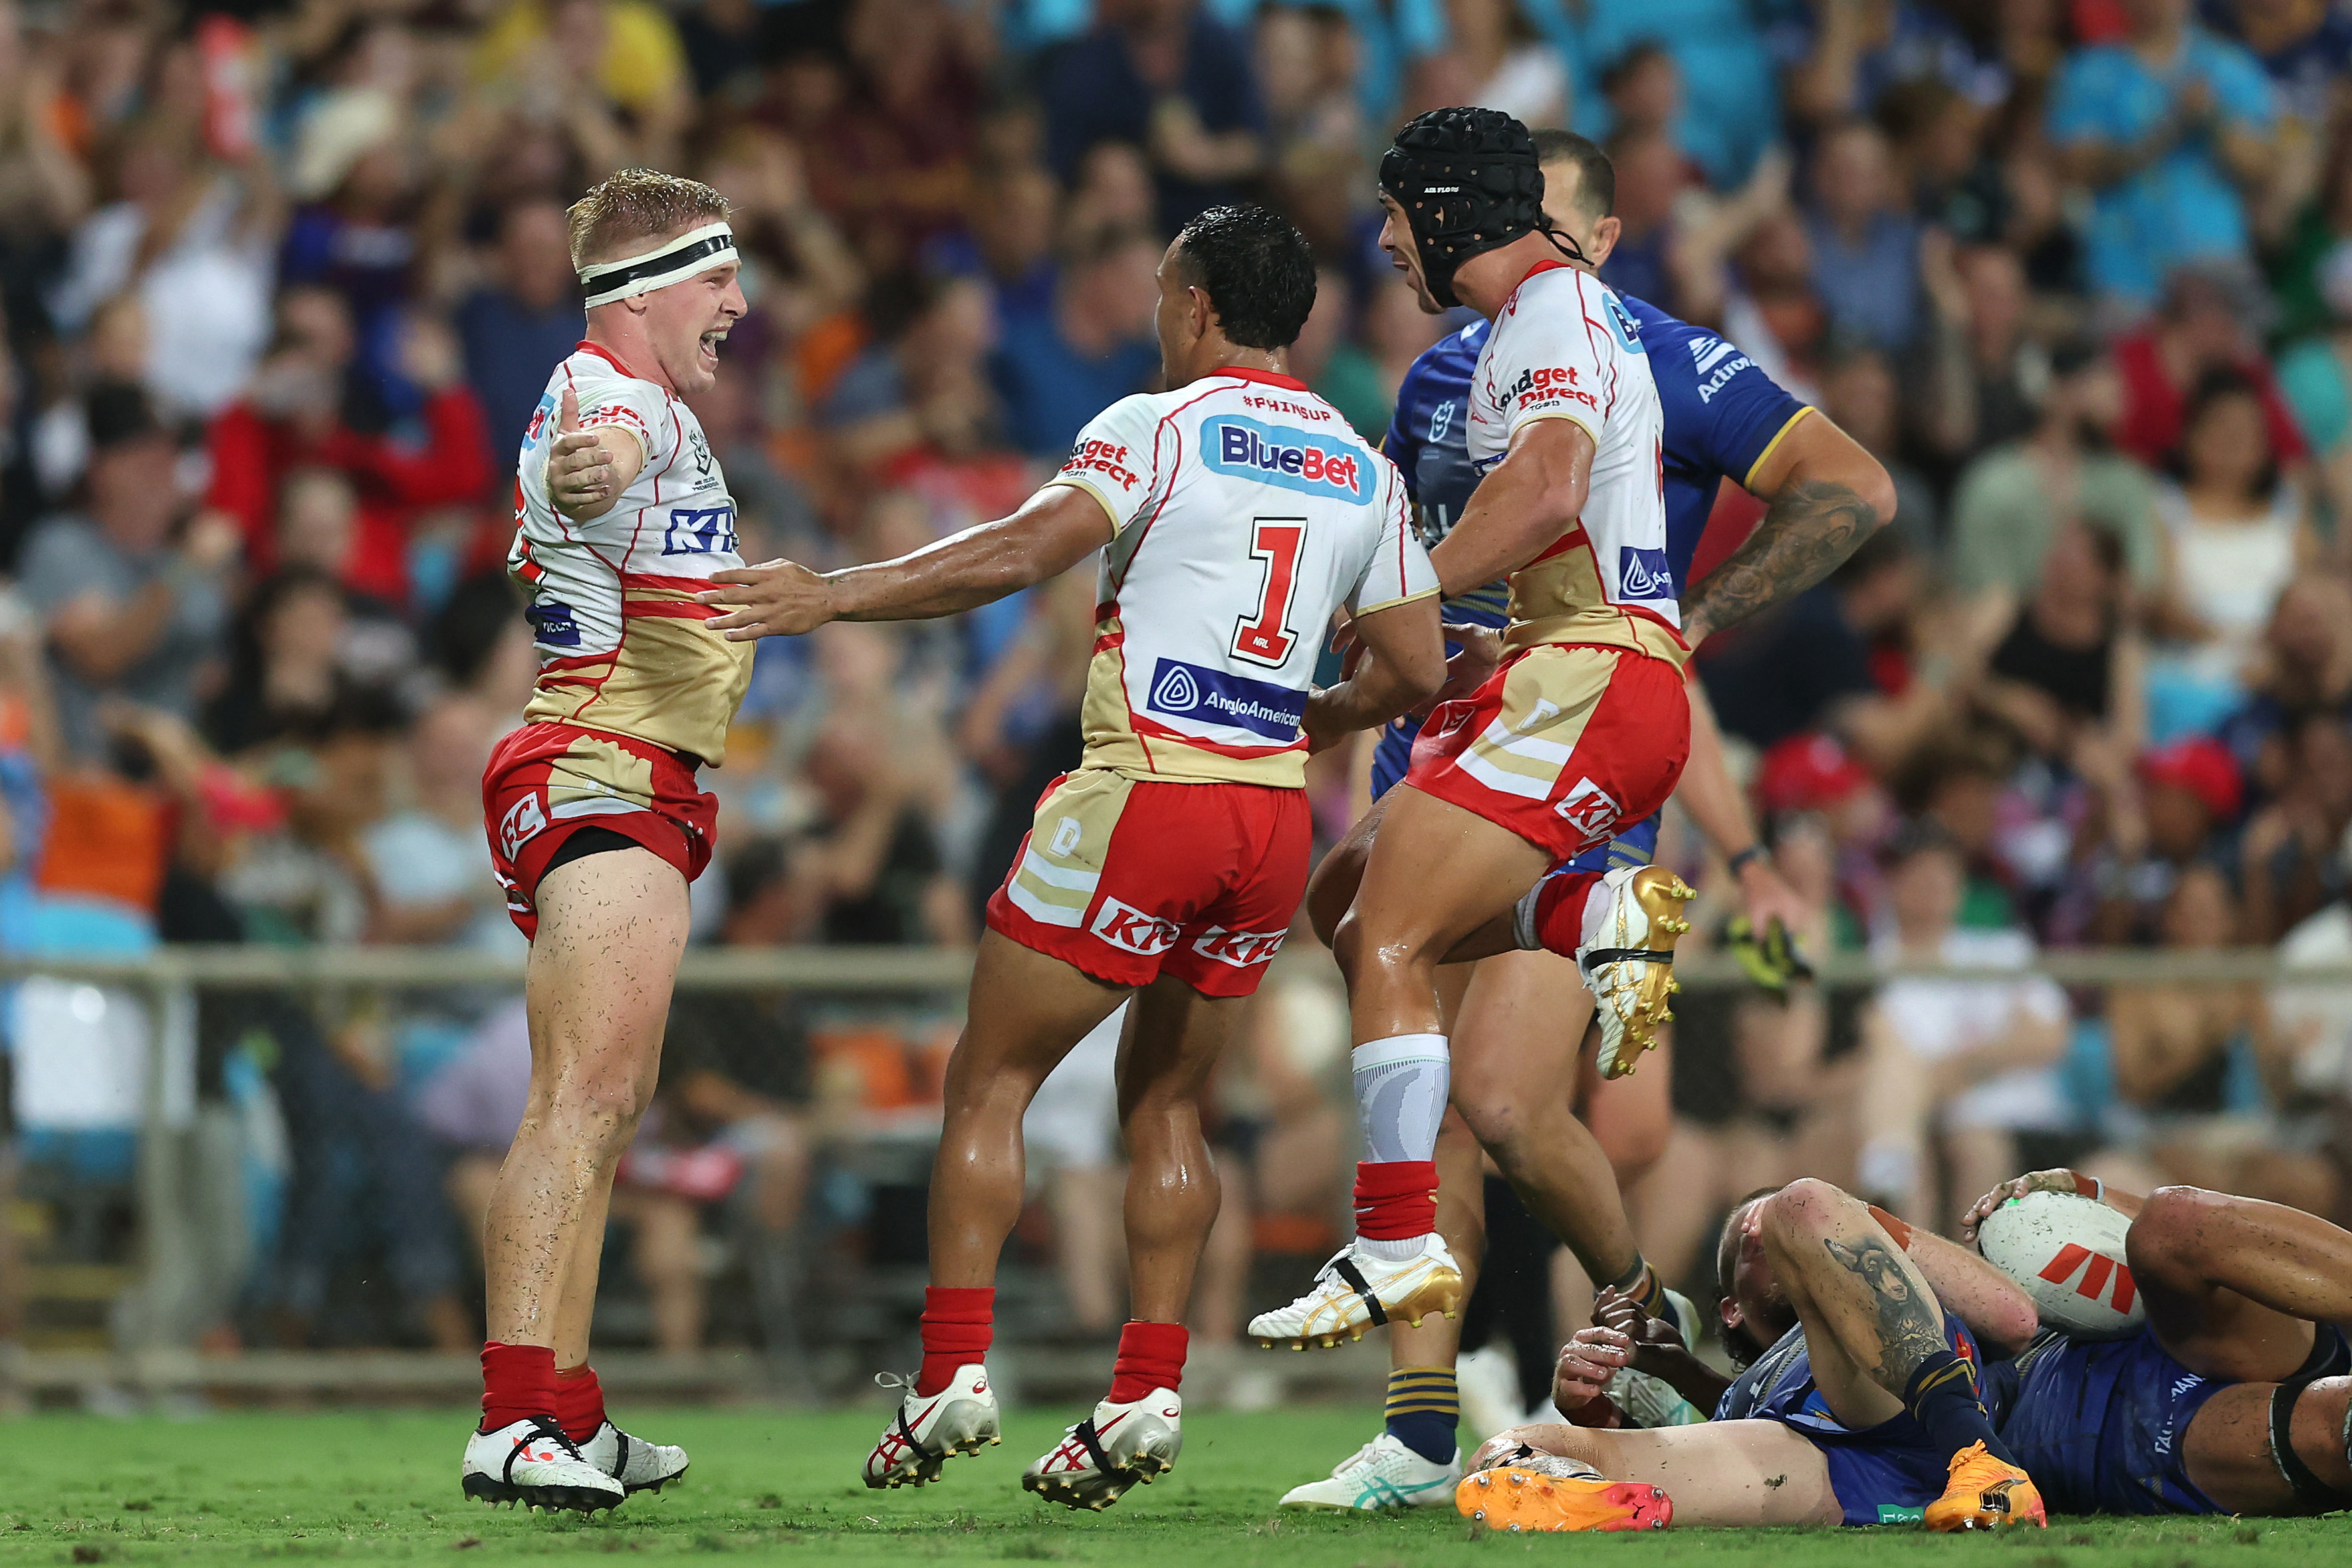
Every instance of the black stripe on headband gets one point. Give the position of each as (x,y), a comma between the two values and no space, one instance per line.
(676,261)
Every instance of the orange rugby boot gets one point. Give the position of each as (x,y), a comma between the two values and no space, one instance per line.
(1560,1494)
(1985,1493)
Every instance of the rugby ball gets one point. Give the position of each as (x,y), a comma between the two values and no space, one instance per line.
(2067,1250)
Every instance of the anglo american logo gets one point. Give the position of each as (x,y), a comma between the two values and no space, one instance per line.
(1294,459)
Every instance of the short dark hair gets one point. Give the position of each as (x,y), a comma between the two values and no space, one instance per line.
(1256,269)
(1596,176)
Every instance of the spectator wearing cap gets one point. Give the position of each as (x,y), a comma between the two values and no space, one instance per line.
(2011,502)
(1966,1065)
(519,326)
(2208,321)
(2293,855)
(131,612)
(2171,128)
(1169,78)
(2188,792)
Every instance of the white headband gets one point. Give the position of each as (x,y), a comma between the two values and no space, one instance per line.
(699,250)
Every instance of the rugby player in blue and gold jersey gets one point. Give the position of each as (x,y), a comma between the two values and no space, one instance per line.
(1519,1017)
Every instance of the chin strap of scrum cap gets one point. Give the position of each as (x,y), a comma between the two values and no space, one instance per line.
(1468,180)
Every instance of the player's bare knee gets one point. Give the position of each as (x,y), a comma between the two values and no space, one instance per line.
(2321,1430)
(2175,1231)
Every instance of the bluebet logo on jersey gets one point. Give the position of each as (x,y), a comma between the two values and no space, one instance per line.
(1294,459)
(1211,697)
(1641,573)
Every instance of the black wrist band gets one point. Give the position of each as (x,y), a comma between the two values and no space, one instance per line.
(1738,862)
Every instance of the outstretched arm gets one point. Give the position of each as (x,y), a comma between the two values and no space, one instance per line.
(1826,495)
(1052,532)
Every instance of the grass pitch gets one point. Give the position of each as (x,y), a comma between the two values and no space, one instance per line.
(772,1488)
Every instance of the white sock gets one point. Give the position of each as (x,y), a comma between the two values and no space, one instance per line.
(1400,1088)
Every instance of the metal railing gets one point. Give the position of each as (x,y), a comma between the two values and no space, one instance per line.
(169,977)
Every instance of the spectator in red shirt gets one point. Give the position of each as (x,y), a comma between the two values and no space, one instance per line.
(302,409)
(2206,323)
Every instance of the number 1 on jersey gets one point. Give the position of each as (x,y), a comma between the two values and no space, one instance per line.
(1265,637)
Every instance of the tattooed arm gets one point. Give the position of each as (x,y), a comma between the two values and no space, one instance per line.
(1826,495)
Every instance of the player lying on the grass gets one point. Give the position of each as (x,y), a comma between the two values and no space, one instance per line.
(1859,1343)
(1240,513)
(2231,1396)
(594,816)
(1516,1022)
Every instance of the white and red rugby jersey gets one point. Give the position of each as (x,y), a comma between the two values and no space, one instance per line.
(1564,347)
(1244,513)
(622,643)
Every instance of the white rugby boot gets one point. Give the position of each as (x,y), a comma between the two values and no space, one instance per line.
(1629,965)
(532,1462)
(927,1432)
(637,1465)
(1101,1457)
(1382,1477)
(1355,1291)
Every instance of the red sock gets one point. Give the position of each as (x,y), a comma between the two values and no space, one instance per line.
(1559,910)
(518,1383)
(579,1401)
(1150,1356)
(1396,1200)
(958,1325)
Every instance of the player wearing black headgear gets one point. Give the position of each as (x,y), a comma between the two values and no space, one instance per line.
(1580,732)
(1467,180)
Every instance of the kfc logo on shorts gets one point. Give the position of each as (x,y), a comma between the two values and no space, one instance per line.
(1588,808)
(1241,949)
(523,819)
(1121,926)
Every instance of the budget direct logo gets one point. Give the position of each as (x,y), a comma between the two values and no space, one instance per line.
(1294,459)
(1180,690)
(1535,387)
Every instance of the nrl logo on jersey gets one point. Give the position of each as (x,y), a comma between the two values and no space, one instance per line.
(703,477)
(1278,455)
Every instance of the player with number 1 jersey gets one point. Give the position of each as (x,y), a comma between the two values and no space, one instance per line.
(1233,515)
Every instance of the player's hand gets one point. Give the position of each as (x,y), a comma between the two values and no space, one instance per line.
(2016,1186)
(1480,654)
(579,466)
(1765,896)
(1613,1308)
(778,599)
(1587,1362)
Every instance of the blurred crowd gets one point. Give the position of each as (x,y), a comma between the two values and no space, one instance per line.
(282,284)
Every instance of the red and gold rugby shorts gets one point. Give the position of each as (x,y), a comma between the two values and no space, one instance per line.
(1130,879)
(547,782)
(1566,746)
